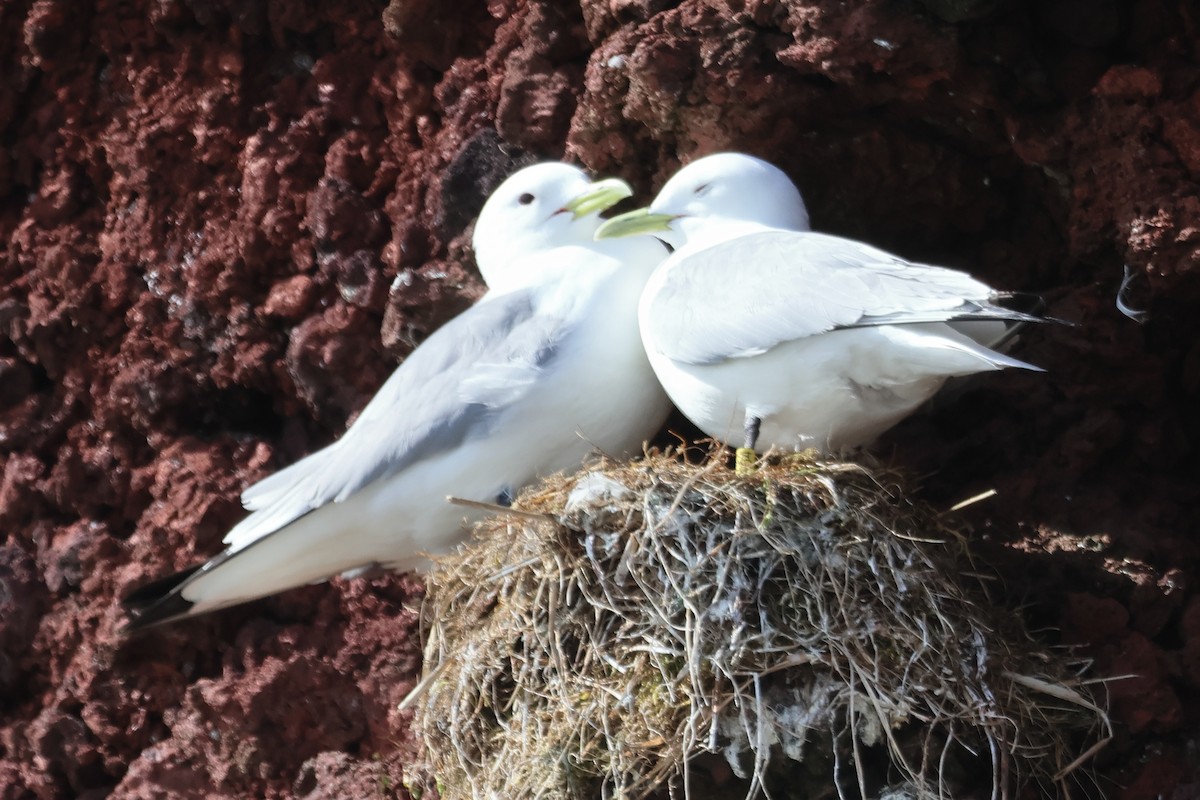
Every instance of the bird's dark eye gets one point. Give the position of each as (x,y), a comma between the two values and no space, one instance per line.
(702,189)
(525,199)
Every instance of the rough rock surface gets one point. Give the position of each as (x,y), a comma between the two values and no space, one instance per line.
(222,224)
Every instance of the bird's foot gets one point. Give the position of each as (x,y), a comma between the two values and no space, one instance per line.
(744,460)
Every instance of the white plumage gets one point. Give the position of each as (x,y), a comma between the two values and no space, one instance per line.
(545,368)
(765,333)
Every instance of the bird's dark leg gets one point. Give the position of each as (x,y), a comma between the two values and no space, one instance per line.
(751,427)
(744,458)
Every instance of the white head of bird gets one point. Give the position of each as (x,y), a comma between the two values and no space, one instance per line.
(730,187)
(536,209)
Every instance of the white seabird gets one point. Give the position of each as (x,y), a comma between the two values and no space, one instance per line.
(546,368)
(765,332)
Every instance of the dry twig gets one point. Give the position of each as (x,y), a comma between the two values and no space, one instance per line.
(634,618)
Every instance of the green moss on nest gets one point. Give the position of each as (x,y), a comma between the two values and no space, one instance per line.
(618,624)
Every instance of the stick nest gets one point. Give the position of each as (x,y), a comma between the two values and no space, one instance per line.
(622,632)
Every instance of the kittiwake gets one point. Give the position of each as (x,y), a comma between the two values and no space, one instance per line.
(762,331)
(546,368)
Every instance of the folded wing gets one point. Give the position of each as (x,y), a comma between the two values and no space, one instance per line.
(804,284)
(448,391)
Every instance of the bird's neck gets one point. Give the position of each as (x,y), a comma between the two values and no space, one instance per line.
(701,232)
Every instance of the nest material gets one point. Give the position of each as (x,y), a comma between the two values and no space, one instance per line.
(616,626)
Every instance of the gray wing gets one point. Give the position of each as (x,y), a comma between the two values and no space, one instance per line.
(745,296)
(448,391)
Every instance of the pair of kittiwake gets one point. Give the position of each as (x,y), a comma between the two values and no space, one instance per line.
(760,331)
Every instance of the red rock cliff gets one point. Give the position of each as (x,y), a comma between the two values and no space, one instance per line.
(222,224)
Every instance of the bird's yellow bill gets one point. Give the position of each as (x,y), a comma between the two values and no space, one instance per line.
(600,196)
(641,220)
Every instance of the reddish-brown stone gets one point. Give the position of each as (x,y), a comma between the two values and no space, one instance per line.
(222,224)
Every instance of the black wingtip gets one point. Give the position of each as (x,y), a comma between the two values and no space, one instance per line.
(1024,302)
(157,602)
(1029,305)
